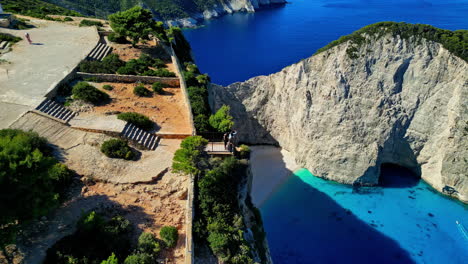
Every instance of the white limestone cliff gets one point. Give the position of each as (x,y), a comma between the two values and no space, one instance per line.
(401,101)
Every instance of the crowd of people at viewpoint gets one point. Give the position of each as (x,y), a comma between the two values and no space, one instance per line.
(230,140)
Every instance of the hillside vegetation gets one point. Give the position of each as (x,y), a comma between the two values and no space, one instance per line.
(163,9)
(454,41)
(35,8)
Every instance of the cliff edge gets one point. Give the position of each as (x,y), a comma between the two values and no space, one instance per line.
(361,102)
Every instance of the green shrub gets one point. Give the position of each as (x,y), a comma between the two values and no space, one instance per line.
(139,258)
(191,67)
(201,123)
(132,67)
(169,235)
(116,38)
(112,259)
(244,151)
(89,93)
(31,180)
(110,64)
(141,91)
(186,158)
(108,87)
(67,19)
(89,23)
(203,79)
(158,63)
(35,8)
(9,38)
(158,72)
(138,120)
(147,243)
(118,149)
(158,87)
(222,120)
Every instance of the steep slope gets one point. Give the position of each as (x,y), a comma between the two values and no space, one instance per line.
(387,98)
(176,12)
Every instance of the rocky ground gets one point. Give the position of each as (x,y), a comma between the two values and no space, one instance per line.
(144,191)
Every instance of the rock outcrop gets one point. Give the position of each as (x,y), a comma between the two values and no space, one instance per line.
(222,8)
(393,100)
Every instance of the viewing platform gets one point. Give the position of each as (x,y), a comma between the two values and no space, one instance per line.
(217,149)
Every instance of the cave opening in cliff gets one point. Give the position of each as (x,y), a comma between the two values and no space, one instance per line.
(395,176)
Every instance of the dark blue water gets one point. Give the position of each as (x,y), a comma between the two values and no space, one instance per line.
(311,220)
(237,47)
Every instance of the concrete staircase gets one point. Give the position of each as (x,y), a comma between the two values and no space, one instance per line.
(55,110)
(3,44)
(139,136)
(99,52)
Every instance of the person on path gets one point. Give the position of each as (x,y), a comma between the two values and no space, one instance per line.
(225,139)
(28,37)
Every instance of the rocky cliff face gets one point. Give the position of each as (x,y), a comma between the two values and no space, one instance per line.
(224,7)
(400,101)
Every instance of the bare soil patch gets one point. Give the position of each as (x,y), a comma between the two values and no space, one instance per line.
(167,110)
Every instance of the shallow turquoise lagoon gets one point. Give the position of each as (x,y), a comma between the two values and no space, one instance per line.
(311,220)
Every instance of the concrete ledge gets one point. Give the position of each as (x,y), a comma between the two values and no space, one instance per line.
(48,116)
(171,81)
(172,135)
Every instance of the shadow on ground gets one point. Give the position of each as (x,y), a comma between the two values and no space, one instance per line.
(305,225)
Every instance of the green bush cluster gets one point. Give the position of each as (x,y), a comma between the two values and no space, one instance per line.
(141,66)
(110,64)
(138,120)
(158,87)
(67,19)
(198,96)
(158,73)
(222,120)
(90,23)
(141,91)
(116,38)
(187,157)
(89,93)
(169,235)
(95,240)
(244,151)
(118,149)
(108,87)
(32,181)
(36,8)
(454,41)
(220,222)
(9,38)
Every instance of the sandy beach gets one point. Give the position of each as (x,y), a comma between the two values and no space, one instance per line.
(270,167)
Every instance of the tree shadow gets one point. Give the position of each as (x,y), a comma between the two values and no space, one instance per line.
(39,236)
(305,225)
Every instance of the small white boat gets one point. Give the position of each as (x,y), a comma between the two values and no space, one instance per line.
(462,229)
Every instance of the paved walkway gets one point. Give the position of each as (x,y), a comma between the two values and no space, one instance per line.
(35,69)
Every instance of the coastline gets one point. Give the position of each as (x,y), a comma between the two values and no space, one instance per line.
(196,20)
(270,167)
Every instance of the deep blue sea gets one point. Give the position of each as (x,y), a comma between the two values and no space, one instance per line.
(239,46)
(310,220)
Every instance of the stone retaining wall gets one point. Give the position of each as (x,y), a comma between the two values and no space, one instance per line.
(171,81)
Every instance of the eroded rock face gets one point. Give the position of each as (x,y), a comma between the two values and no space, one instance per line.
(401,101)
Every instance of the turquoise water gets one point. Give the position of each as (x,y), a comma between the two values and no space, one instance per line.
(311,220)
(239,46)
